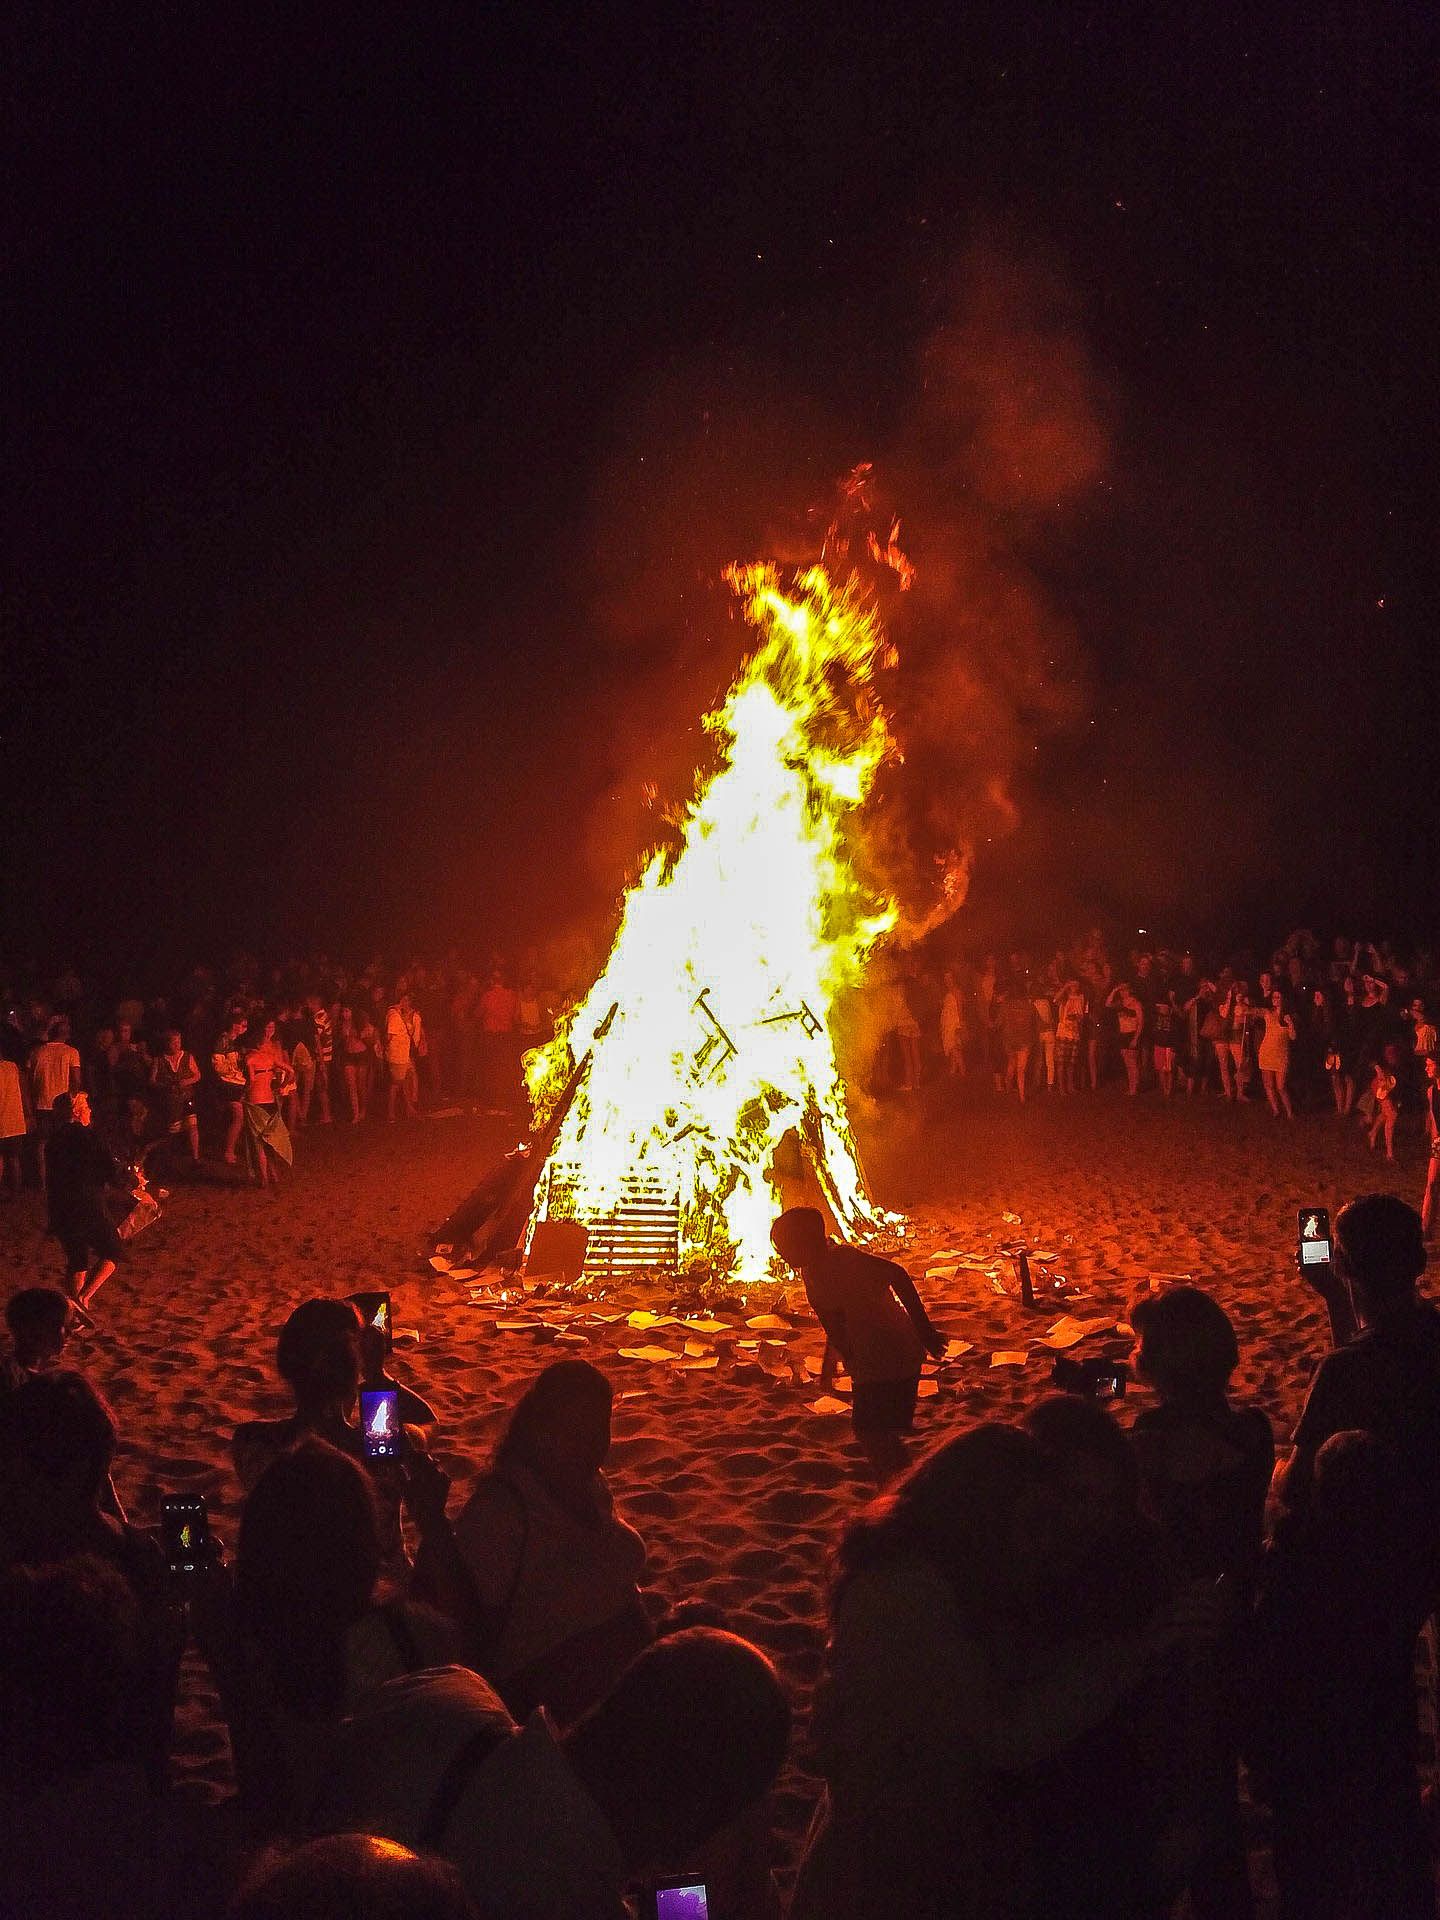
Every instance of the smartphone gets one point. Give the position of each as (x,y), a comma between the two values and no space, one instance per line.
(1096,1379)
(686,1899)
(381,1435)
(185,1531)
(1314,1237)
(374,1310)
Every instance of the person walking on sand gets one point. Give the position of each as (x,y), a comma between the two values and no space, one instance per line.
(81,1168)
(874,1321)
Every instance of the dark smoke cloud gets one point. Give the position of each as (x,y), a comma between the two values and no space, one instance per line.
(992,452)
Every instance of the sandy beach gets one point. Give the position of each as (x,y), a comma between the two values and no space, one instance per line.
(738,1486)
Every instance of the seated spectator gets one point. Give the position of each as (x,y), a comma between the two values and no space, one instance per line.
(40,1321)
(1334,1736)
(690,1737)
(318,1356)
(1205,1465)
(310,1635)
(57,1444)
(75,1807)
(940,1677)
(352,1876)
(553,1565)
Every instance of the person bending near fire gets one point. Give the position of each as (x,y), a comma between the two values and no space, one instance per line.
(874,1321)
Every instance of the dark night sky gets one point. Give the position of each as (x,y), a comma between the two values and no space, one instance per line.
(358,360)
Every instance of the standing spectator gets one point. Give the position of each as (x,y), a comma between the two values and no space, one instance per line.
(499,1011)
(1044,1004)
(267,1081)
(1165,1021)
(14,1125)
(324,1038)
(1385,1098)
(81,1168)
(175,1076)
(54,1069)
(1276,1039)
(1129,1026)
(404,1041)
(952,1024)
(1382,1380)
(1235,1016)
(231,1080)
(1071,1008)
(357,1054)
(1017,1034)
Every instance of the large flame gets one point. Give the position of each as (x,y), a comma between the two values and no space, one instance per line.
(711,1027)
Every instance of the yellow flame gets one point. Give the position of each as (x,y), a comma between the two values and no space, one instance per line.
(732,950)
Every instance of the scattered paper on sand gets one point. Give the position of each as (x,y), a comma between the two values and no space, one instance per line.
(641,1319)
(702,1365)
(1069,1332)
(463,1273)
(516,1326)
(928,1389)
(954,1348)
(648,1353)
(696,1350)
(748,1346)
(769,1323)
(571,1340)
(439,1263)
(707,1326)
(406,1336)
(827,1403)
(1008,1359)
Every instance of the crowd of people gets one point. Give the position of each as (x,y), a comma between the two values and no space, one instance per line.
(1051,1644)
(238,1066)
(1350,1026)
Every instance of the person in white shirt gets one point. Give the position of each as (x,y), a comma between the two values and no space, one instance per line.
(404,1044)
(54,1069)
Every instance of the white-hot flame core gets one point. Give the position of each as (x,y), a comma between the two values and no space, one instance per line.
(732,950)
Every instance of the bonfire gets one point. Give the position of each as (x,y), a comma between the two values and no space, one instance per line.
(704,1058)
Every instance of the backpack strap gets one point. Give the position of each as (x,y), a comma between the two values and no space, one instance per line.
(460,1770)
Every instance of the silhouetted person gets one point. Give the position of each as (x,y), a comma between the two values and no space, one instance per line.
(553,1563)
(311,1633)
(1333,1708)
(352,1876)
(692,1735)
(874,1321)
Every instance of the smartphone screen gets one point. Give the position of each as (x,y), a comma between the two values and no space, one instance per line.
(682,1900)
(1314,1237)
(380,1431)
(184,1531)
(374,1310)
